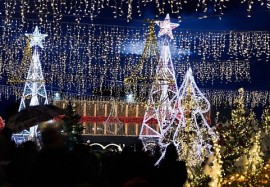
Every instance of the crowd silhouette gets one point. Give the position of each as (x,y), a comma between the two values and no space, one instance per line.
(55,165)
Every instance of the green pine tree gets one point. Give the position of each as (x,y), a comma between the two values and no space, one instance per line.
(265,130)
(240,141)
(235,138)
(266,120)
(73,128)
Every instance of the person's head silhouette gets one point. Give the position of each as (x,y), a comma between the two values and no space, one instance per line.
(171,152)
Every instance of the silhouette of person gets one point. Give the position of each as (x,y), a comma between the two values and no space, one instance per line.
(172,172)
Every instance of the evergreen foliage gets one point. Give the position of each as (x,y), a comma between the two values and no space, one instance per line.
(238,138)
(73,128)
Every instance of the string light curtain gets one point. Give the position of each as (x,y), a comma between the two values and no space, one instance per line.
(123,8)
(216,97)
(84,57)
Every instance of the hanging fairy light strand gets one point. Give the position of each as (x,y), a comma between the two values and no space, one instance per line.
(207,71)
(83,57)
(216,97)
(214,44)
(90,9)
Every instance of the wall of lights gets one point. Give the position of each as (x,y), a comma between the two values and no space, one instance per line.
(88,59)
(84,57)
(216,97)
(127,9)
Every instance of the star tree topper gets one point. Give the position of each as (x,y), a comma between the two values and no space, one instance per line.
(36,38)
(166,26)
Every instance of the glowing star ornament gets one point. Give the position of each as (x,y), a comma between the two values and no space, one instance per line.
(166,26)
(36,38)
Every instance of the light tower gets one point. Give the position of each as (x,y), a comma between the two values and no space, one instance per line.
(34,92)
(160,105)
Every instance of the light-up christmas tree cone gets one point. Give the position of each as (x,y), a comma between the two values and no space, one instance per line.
(162,95)
(193,135)
(143,74)
(34,92)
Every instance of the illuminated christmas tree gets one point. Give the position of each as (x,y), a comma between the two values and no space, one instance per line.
(160,105)
(242,141)
(265,129)
(251,170)
(213,167)
(73,128)
(255,161)
(193,135)
(236,137)
(34,92)
(266,120)
(142,75)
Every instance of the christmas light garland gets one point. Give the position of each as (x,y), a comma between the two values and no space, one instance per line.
(77,55)
(216,97)
(80,9)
